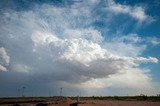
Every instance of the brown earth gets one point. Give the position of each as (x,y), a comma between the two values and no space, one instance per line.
(117,103)
(69,102)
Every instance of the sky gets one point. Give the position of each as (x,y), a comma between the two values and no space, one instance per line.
(85,47)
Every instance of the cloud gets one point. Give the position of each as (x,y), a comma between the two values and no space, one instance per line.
(129,43)
(133,45)
(132,76)
(137,12)
(146,60)
(2,68)
(20,68)
(86,60)
(59,46)
(153,40)
(4,59)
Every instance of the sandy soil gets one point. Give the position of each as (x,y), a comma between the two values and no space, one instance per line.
(69,102)
(117,103)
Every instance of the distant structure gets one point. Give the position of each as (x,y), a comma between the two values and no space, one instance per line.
(60,91)
(18,92)
(77,99)
(23,89)
(158,95)
(141,95)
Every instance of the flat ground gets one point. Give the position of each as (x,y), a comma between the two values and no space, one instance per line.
(117,103)
(89,101)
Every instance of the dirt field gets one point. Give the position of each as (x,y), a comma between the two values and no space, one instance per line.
(54,101)
(117,103)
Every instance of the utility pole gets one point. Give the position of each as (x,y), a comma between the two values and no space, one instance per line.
(18,92)
(60,91)
(79,94)
(23,89)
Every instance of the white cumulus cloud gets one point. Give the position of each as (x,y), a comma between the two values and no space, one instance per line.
(4,59)
(136,12)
